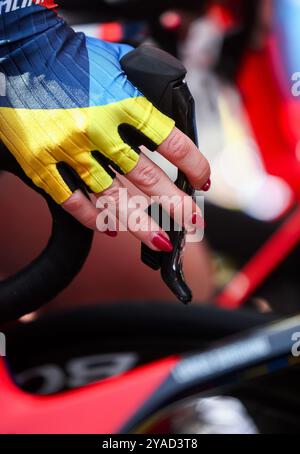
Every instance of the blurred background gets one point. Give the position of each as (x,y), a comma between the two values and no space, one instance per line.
(242,60)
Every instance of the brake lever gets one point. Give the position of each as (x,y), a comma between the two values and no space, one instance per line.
(161,78)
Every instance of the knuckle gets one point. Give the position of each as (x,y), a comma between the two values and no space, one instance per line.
(113,192)
(147,175)
(178,145)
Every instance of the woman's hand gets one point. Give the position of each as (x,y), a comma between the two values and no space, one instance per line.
(69,113)
(152,181)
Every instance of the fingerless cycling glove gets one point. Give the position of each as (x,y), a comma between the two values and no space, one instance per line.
(65,99)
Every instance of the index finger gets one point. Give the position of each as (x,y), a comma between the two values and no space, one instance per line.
(181,151)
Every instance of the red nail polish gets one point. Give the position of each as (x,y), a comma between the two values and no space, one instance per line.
(207,186)
(198,221)
(111,233)
(162,243)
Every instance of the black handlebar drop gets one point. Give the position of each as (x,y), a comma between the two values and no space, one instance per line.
(57,265)
(160,77)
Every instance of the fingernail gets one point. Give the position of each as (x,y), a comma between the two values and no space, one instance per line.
(162,243)
(207,186)
(198,221)
(111,233)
